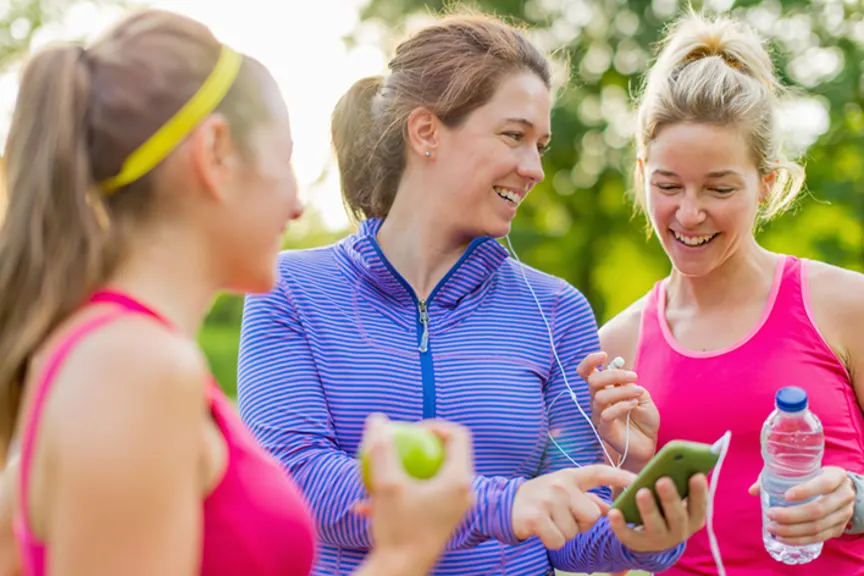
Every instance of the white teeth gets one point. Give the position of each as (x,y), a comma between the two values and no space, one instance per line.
(508,195)
(693,240)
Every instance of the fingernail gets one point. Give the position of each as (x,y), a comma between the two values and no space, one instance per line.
(771,515)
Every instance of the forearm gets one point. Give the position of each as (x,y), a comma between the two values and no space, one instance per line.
(330,481)
(331,484)
(397,563)
(491,517)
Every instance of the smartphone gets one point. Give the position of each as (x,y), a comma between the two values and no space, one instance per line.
(679,460)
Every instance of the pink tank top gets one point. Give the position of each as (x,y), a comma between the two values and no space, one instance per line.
(700,395)
(255,521)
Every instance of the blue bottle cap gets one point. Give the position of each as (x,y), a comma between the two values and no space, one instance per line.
(791,399)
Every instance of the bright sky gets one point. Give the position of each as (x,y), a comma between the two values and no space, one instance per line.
(305,53)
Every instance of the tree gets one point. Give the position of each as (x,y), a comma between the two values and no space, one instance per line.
(22,20)
(579,223)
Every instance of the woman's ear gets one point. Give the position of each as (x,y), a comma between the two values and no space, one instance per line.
(424,132)
(768,183)
(212,154)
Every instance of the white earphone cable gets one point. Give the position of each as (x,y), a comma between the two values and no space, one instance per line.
(617,363)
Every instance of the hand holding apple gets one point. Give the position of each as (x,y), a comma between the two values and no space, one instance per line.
(419,470)
(420,451)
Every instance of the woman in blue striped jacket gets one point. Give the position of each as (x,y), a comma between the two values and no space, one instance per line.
(421,314)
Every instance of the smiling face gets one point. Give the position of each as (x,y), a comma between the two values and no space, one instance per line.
(702,194)
(491,161)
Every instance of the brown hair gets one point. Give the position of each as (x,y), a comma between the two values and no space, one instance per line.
(80,113)
(718,71)
(451,68)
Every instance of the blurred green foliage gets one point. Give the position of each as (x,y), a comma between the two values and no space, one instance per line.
(579,223)
(22,20)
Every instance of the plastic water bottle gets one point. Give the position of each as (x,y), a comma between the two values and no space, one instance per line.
(792,448)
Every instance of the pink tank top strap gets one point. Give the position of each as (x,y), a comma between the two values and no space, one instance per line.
(43,386)
(247,518)
(123,305)
(791,317)
(649,326)
(790,296)
(127,303)
(701,394)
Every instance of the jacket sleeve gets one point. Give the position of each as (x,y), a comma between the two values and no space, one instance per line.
(573,441)
(282,402)
(856,525)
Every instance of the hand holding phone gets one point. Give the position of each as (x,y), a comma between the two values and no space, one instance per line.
(655,501)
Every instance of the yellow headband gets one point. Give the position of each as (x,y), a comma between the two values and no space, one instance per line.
(158,146)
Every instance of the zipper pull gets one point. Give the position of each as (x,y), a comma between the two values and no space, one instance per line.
(424,320)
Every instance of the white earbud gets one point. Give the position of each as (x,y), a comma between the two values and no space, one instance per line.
(720,447)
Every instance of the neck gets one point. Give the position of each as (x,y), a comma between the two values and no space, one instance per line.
(417,242)
(167,271)
(735,281)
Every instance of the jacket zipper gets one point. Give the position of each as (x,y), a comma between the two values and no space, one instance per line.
(427,369)
(424,322)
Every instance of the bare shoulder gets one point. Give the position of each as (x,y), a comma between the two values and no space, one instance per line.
(120,460)
(836,294)
(827,280)
(130,376)
(836,300)
(136,350)
(620,335)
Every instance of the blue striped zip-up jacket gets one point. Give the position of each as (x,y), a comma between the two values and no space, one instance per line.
(343,335)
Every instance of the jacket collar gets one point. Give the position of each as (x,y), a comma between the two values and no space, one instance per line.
(481,259)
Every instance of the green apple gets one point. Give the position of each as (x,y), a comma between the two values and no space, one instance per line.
(420,450)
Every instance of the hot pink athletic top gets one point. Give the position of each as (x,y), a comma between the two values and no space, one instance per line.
(700,395)
(256,522)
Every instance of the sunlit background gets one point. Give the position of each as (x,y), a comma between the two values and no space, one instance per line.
(302,46)
(305,47)
(579,223)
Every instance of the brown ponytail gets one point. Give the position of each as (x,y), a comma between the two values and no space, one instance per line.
(451,68)
(51,242)
(79,115)
(352,127)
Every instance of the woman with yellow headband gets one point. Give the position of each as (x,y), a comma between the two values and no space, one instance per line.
(145,173)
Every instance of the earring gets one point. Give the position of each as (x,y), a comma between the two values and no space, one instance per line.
(428,154)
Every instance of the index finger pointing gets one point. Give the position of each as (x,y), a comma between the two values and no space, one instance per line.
(597,475)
